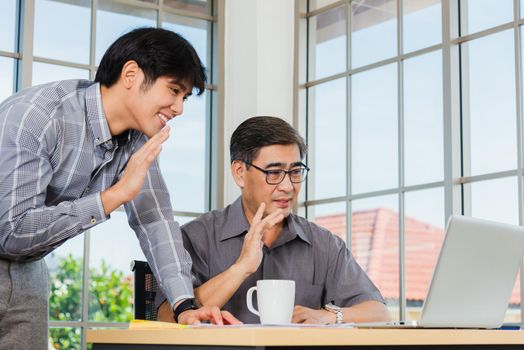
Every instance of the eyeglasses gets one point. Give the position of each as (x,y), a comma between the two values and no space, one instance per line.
(276,176)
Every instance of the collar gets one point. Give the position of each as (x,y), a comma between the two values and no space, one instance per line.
(95,115)
(237,225)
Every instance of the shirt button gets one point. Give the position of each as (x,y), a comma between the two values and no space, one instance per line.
(93,220)
(88,189)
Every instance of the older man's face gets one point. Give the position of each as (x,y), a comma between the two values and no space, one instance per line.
(280,196)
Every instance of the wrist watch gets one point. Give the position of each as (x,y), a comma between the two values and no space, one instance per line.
(188,304)
(336,310)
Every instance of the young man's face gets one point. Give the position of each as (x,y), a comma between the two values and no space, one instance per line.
(156,104)
(255,189)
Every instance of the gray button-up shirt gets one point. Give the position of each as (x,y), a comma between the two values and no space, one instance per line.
(56,156)
(318,261)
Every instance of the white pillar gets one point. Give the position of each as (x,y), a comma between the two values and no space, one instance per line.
(258,67)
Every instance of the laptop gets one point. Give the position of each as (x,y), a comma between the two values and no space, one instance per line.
(473,278)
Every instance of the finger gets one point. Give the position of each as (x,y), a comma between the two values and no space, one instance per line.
(297,318)
(216,316)
(188,317)
(153,142)
(194,321)
(260,212)
(229,318)
(270,220)
(151,156)
(267,222)
(158,138)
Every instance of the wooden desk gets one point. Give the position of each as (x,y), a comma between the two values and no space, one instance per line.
(293,338)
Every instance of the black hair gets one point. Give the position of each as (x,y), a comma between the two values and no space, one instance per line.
(257,132)
(158,52)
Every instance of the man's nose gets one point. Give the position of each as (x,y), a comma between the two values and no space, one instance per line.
(178,106)
(286,184)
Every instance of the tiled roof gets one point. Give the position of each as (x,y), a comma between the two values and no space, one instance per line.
(375,245)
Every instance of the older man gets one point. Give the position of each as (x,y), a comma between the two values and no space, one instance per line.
(258,237)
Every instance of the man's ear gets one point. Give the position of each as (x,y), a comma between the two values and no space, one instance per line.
(129,74)
(238,170)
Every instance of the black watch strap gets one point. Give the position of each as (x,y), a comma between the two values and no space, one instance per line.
(188,304)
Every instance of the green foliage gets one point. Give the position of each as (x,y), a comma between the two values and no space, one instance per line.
(110,299)
(110,296)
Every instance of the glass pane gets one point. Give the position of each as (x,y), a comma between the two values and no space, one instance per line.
(423,122)
(328,43)
(316,4)
(73,30)
(374,135)
(477,15)
(422,24)
(45,73)
(424,232)
(373,22)
(489,76)
(7,72)
(110,276)
(8,19)
(198,6)
(193,30)
(375,245)
(182,220)
(115,19)
(495,200)
(66,266)
(327,133)
(65,338)
(330,216)
(183,157)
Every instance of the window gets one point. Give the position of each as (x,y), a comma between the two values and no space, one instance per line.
(409,121)
(92,286)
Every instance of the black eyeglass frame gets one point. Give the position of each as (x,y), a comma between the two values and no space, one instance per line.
(282,171)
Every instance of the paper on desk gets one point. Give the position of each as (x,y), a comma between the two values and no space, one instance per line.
(286,325)
(143,324)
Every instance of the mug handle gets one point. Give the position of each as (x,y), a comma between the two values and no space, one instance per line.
(249,299)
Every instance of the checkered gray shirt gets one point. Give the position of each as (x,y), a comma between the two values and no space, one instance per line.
(56,156)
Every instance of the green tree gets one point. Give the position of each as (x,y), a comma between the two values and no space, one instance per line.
(110,299)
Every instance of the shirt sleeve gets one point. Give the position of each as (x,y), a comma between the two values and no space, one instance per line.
(196,238)
(193,234)
(150,215)
(29,228)
(347,283)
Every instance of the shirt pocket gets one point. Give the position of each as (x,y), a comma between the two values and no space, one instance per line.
(309,295)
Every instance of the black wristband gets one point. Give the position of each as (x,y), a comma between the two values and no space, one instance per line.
(188,304)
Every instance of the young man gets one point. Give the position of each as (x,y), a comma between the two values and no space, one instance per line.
(74,151)
(258,237)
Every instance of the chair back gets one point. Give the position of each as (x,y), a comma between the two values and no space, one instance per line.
(145,288)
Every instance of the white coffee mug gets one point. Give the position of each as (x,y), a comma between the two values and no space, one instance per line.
(276,299)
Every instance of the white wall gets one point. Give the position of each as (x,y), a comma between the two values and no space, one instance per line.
(258,67)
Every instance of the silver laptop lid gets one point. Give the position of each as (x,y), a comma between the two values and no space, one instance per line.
(475,274)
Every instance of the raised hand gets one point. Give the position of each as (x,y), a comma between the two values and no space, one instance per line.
(251,254)
(132,180)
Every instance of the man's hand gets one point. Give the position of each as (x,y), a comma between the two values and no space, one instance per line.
(251,254)
(132,180)
(302,314)
(207,313)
